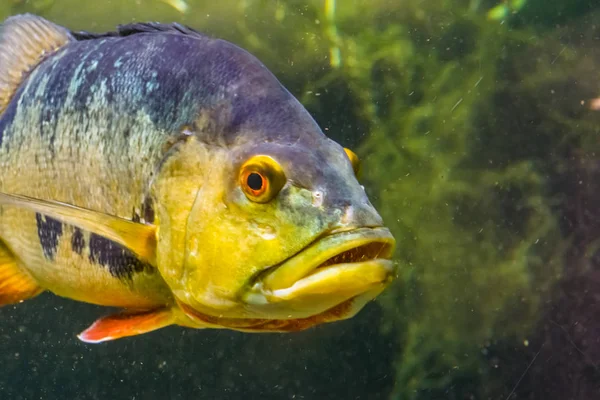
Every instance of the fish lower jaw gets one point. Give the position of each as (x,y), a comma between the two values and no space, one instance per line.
(344,310)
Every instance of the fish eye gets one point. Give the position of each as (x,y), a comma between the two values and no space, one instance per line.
(261,178)
(255,181)
(354,160)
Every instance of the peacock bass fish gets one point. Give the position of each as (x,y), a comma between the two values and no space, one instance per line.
(170,174)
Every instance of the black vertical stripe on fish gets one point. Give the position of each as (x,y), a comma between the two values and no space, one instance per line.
(77,241)
(49,233)
(148,211)
(136,216)
(120,261)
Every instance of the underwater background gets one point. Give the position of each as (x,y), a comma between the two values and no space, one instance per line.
(479,128)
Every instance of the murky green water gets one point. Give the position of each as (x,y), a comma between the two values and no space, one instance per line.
(479,130)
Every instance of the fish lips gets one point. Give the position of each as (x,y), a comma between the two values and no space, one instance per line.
(336,268)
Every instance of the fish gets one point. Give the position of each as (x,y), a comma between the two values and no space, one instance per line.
(169,174)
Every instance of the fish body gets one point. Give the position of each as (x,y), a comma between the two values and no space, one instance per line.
(168,173)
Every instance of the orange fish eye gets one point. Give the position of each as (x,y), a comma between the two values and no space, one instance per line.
(261,178)
(354,160)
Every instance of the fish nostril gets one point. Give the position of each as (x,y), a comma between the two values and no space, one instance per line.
(317,198)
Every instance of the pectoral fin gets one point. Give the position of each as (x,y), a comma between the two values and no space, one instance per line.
(137,237)
(15,284)
(126,324)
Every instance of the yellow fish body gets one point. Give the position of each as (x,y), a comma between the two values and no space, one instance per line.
(170,174)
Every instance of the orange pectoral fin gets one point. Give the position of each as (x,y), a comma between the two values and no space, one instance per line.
(126,324)
(15,284)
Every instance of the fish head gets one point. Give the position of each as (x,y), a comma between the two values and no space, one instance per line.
(279,236)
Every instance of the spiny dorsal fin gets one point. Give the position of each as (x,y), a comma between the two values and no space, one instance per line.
(141,27)
(24,41)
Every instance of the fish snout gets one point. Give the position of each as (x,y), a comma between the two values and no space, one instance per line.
(361,214)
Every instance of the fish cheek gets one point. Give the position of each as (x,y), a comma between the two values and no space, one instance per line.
(306,218)
(231,239)
(282,228)
(217,262)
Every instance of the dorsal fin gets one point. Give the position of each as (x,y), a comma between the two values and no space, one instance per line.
(24,41)
(139,27)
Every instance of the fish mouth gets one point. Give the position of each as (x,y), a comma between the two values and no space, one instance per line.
(337,268)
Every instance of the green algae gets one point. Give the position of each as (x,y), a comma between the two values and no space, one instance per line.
(479,244)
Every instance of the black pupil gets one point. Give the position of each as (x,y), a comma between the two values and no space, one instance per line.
(255,181)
